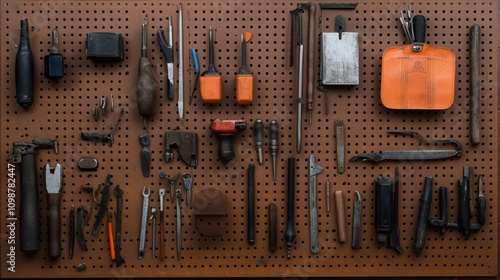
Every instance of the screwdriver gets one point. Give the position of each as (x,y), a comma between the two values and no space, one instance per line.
(274,129)
(25,68)
(244,78)
(197,72)
(146,85)
(258,130)
(211,80)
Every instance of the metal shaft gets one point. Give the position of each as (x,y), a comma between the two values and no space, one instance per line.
(144,38)
(179,223)
(274,130)
(144,221)
(180,102)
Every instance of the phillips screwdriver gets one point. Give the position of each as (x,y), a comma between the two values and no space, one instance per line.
(274,129)
(25,68)
(211,80)
(244,78)
(146,85)
(197,72)
(258,131)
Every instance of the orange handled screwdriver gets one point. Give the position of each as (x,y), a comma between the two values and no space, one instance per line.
(244,78)
(110,236)
(211,80)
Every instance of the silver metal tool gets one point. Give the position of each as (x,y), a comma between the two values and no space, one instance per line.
(103,105)
(171,182)
(180,100)
(153,231)
(297,13)
(356,222)
(314,170)
(407,25)
(187,179)
(339,48)
(53,182)
(144,220)
(161,193)
(112,103)
(95,113)
(178,196)
(340,141)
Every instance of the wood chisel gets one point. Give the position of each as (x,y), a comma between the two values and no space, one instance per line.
(244,78)
(211,80)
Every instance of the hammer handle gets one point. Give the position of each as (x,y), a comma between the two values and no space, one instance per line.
(29,215)
(475,82)
(54,223)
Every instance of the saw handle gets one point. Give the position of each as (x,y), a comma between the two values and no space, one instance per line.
(54,223)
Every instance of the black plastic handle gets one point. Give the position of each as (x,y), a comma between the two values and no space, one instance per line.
(290,215)
(419,28)
(423,216)
(251,204)
(25,68)
(29,230)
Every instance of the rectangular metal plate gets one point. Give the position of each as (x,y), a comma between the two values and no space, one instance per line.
(340,58)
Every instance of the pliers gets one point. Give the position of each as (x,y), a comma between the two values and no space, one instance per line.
(168,51)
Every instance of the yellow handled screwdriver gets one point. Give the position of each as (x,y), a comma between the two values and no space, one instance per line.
(244,78)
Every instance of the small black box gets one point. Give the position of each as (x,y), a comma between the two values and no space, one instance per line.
(104,46)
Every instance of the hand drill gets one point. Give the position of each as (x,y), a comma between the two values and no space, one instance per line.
(225,129)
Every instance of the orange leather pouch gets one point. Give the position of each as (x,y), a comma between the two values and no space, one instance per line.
(418,77)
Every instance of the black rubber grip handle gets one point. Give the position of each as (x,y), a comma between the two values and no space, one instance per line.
(481,210)
(94,137)
(251,204)
(29,229)
(258,130)
(25,68)
(290,215)
(419,28)
(423,216)
(71,232)
(226,150)
(54,224)
(464,207)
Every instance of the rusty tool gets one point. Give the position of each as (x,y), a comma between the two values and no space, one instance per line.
(83,215)
(146,83)
(475,84)
(314,170)
(187,144)
(119,260)
(341,219)
(24,153)
(103,205)
(340,141)
(53,182)
(356,222)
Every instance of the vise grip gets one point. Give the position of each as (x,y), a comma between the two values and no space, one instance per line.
(187,144)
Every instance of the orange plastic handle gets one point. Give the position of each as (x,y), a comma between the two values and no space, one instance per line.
(244,89)
(111,241)
(211,89)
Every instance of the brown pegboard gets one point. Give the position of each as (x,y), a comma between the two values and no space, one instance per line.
(62,110)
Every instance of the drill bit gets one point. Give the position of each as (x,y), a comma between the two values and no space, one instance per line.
(258,130)
(180,100)
(274,129)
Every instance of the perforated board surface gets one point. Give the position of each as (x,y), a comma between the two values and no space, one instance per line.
(62,110)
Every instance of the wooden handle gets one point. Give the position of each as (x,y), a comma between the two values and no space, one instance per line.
(54,222)
(475,83)
(341,223)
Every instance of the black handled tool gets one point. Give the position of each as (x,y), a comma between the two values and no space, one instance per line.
(356,222)
(98,137)
(103,205)
(25,68)
(423,216)
(290,214)
(273,145)
(394,235)
(258,134)
(119,260)
(145,155)
(442,222)
(24,153)
(71,231)
(475,84)
(251,204)
(383,207)
(273,232)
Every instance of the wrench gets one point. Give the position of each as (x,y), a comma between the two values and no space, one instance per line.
(188,181)
(153,231)
(171,181)
(144,220)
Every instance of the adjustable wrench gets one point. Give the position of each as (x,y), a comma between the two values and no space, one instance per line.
(314,170)
(53,182)
(144,220)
